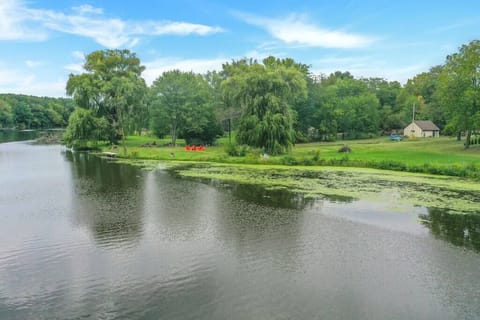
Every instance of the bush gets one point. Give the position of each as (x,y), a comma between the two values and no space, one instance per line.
(289,160)
(300,137)
(231,149)
(345,149)
(234,150)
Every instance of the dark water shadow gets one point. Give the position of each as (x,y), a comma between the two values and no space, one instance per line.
(277,198)
(267,196)
(461,230)
(108,198)
(14,135)
(179,208)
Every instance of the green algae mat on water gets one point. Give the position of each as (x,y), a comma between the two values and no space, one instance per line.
(453,194)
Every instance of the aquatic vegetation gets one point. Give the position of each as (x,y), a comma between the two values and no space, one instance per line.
(453,194)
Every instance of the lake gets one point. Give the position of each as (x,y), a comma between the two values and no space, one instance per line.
(84,238)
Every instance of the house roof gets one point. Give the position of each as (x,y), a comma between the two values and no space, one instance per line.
(427,125)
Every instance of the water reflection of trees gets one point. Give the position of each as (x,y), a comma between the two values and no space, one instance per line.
(261,223)
(279,198)
(178,207)
(13,135)
(275,197)
(459,229)
(107,198)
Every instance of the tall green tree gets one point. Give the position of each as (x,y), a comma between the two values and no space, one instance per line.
(324,116)
(6,115)
(345,105)
(83,127)
(23,115)
(112,87)
(265,93)
(182,105)
(226,113)
(420,93)
(459,88)
(358,109)
(387,93)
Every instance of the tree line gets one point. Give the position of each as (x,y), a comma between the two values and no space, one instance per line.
(270,104)
(30,112)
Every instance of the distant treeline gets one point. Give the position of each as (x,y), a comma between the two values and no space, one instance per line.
(269,104)
(29,112)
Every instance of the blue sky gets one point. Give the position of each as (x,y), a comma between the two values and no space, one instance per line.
(42,41)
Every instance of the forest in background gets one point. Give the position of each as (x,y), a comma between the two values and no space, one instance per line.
(22,112)
(271,104)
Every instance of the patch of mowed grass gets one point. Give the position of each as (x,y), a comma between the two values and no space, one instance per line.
(414,152)
(443,156)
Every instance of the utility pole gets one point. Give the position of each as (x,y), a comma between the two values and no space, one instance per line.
(413,113)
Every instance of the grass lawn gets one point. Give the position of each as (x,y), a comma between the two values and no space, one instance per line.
(429,155)
(433,151)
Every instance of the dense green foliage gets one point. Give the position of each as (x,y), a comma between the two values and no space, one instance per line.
(83,127)
(273,104)
(181,105)
(265,94)
(29,112)
(459,89)
(112,87)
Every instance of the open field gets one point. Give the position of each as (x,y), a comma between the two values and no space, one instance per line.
(444,155)
(410,151)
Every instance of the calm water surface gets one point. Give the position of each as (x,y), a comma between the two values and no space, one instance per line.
(81,238)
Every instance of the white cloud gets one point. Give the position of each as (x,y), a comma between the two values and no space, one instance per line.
(155,68)
(44,88)
(9,77)
(15,25)
(77,66)
(17,21)
(368,66)
(296,30)
(34,63)
(79,55)
(464,23)
(87,9)
(74,68)
(18,81)
(182,28)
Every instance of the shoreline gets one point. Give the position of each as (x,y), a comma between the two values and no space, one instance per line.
(453,194)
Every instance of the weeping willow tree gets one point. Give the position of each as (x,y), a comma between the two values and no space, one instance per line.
(265,92)
(112,87)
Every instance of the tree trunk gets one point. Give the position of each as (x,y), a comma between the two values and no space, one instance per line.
(467,141)
(123,141)
(122,131)
(174,133)
(459,135)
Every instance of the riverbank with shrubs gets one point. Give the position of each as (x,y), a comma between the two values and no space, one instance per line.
(439,156)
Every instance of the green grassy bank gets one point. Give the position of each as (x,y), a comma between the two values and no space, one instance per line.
(442,156)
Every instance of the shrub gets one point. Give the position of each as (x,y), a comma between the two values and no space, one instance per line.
(345,149)
(288,160)
(231,149)
(234,150)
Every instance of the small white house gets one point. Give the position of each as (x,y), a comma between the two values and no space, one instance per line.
(421,129)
